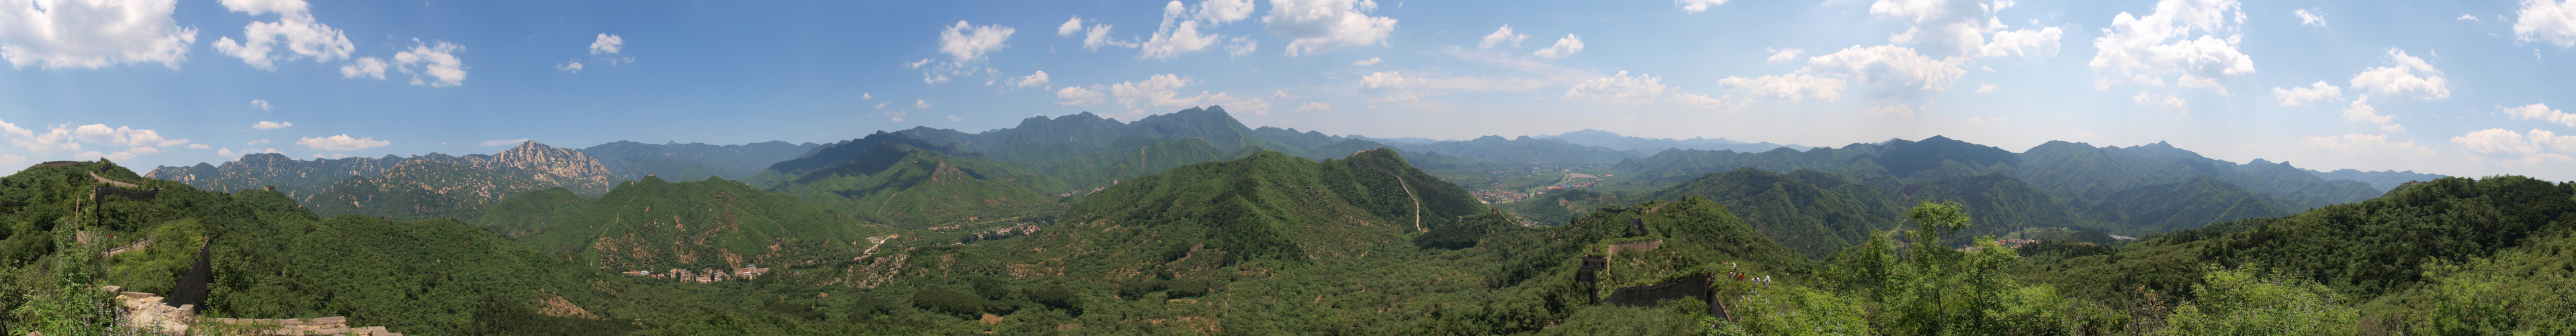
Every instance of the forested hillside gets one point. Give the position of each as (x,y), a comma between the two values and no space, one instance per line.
(892,180)
(656,225)
(692,161)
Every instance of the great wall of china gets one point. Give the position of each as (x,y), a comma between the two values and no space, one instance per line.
(151,312)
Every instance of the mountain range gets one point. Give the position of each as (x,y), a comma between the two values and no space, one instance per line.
(1191,222)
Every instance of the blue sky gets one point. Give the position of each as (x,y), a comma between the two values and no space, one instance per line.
(2453,87)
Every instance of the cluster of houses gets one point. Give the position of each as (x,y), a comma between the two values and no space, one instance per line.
(1498,196)
(704,275)
(1015,230)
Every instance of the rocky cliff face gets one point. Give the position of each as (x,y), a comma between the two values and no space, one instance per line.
(559,166)
(422,189)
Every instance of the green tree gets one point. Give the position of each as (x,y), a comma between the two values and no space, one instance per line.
(2252,302)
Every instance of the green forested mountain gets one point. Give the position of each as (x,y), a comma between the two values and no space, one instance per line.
(2452,255)
(894,180)
(1813,213)
(1265,207)
(655,225)
(2126,190)
(692,161)
(270,259)
(2002,204)
(423,189)
(2168,207)
(2370,248)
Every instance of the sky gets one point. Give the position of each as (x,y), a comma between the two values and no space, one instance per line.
(2466,88)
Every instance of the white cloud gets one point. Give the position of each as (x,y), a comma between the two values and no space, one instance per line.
(55,141)
(897,116)
(1393,84)
(1312,107)
(1619,88)
(1695,6)
(917,103)
(1986,88)
(341,143)
(2136,49)
(2542,113)
(1893,70)
(2298,96)
(199,146)
(2536,146)
(261,103)
(1501,36)
(1398,86)
(120,136)
(260,141)
(12,160)
(1795,87)
(1962,27)
(1159,91)
(1322,25)
(1069,27)
(1075,96)
(572,66)
(1037,80)
(2410,78)
(607,44)
(295,29)
(1242,46)
(272,125)
(882,105)
(1099,36)
(866,96)
(1367,62)
(2167,100)
(1783,56)
(1178,35)
(2312,18)
(966,42)
(331,156)
(2467,17)
(1641,89)
(92,34)
(2553,21)
(438,61)
(1564,47)
(1898,110)
(2361,111)
(1224,11)
(364,66)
